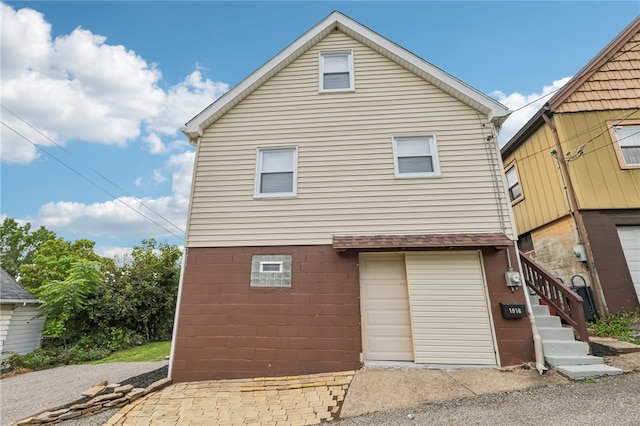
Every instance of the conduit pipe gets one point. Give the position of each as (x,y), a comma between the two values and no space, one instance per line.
(174,337)
(537,339)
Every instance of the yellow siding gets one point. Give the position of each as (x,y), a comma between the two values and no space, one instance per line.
(346,182)
(544,200)
(598,180)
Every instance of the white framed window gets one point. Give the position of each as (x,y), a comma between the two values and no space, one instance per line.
(626,138)
(416,156)
(271,266)
(336,71)
(513,184)
(276,172)
(270,270)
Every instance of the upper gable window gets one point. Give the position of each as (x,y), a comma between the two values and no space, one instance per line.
(276,172)
(627,143)
(416,156)
(513,184)
(336,71)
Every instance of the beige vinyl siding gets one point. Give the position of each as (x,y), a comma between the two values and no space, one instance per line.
(346,181)
(449,313)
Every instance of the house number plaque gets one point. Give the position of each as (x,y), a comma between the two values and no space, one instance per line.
(513,310)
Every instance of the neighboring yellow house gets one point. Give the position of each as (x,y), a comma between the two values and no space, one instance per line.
(348,205)
(573,173)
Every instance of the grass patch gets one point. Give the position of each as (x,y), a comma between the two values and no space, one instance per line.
(155,351)
(618,326)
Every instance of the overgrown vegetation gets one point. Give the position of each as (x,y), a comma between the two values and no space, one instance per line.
(94,305)
(619,326)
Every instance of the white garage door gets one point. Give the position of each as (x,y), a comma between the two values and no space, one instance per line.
(630,241)
(450,317)
(427,307)
(386,327)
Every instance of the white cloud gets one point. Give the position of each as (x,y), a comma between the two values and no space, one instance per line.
(517,100)
(126,216)
(158,177)
(138,182)
(155,144)
(118,253)
(78,87)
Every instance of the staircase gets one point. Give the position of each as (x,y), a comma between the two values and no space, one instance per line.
(562,352)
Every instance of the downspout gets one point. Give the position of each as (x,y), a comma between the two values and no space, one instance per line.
(177,315)
(601,305)
(537,339)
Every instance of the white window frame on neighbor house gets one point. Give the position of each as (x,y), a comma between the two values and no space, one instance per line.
(326,68)
(625,135)
(512,171)
(415,147)
(291,168)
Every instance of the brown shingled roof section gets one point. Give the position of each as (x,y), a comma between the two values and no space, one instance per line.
(345,242)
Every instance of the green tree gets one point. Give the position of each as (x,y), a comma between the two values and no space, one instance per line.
(53,261)
(149,288)
(18,244)
(65,300)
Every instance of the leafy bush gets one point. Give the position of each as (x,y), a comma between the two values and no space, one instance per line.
(618,326)
(54,356)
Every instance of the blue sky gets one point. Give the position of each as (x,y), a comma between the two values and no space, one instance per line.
(104,88)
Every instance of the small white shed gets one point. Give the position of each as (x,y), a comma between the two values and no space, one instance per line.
(21,320)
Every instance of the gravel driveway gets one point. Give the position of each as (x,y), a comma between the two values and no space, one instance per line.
(31,393)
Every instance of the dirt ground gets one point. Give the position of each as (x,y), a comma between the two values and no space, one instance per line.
(377,389)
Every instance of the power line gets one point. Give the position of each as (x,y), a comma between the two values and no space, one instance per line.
(588,130)
(90,181)
(92,169)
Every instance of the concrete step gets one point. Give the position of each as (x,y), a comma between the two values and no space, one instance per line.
(577,372)
(568,360)
(565,347)
(540,310)
(548,321)
(556,333)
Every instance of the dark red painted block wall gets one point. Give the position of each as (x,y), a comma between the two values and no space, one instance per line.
(228,329)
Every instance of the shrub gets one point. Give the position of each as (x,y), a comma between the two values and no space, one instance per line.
(618,326)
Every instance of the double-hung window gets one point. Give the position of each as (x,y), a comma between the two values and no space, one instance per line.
(336,71)
(513,184)
(626,136)
(276,172)
(416,156)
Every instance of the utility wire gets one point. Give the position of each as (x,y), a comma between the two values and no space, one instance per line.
(607,128)
(89,180)
(92,169)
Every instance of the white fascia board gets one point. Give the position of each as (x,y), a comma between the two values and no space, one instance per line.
(465,93)
(195,127)
(494,110)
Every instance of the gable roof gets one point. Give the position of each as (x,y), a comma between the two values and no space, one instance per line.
(12,292)
(619,82)
(494,110)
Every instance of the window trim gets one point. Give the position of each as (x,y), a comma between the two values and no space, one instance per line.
(258,176)
(513,166)
(352,80)
(611,124)
(433,145)
(272,262)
